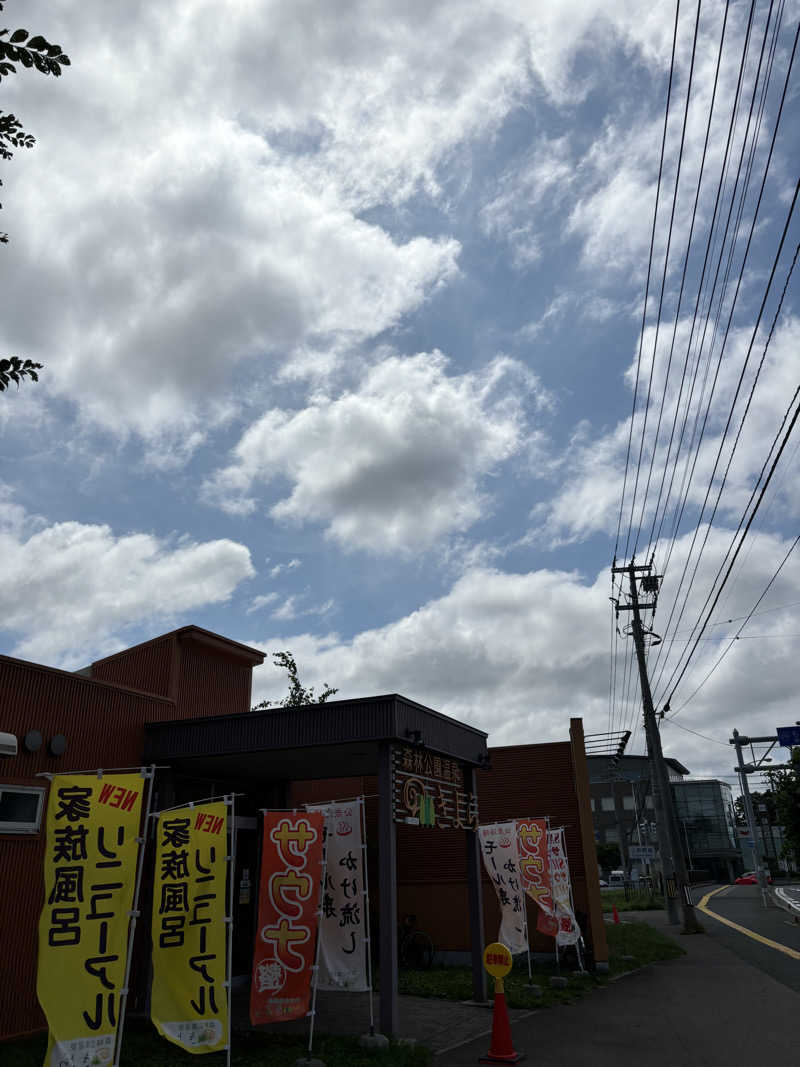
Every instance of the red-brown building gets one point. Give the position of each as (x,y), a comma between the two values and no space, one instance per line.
(183,699)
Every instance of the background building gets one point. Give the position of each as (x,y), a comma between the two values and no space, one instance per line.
(707,824)
(621,799)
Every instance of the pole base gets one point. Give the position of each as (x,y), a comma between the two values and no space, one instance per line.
(514,1057)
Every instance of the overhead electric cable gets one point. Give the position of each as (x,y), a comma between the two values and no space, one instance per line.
(744,415)
(647,284)
(711,241)
(775,462)
(661,299)
(737,636)
(677,600)
(682,286)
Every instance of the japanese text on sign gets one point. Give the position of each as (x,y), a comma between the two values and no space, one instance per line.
(501,860)
(568,929)
(291,867)
(90,869)
(429,790)
(343,955)
(534,865)
(189,1001)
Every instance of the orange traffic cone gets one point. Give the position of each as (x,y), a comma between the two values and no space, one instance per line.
(501,1049)
(616,913)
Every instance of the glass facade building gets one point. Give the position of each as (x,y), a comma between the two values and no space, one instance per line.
(708,826)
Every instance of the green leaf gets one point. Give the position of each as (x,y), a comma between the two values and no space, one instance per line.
(25,58)
(38,42)
(19,35)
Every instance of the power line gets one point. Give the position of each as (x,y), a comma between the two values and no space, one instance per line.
(661,296)
(739,383)
(647,287)
(736,637)
(738,547)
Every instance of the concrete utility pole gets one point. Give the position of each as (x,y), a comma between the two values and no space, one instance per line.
(737,741)
(669,842)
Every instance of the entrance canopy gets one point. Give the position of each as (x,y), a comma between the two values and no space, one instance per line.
(338,739)
(343,739)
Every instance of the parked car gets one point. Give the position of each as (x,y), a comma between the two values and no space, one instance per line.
(749,878)
(603,884)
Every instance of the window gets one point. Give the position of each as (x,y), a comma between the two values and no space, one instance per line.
(20,809)
(648,801)
(612,836)
(606,803)
(591,803)
(627,803)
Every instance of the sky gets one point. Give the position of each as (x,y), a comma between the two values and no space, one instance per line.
(341,311)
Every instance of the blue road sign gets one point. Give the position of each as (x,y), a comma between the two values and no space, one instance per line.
(788,736)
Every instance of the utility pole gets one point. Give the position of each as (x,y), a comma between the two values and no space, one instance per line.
(669,842)
(737,742)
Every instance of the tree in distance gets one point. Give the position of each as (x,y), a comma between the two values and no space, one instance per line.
(298,695)
(786,791)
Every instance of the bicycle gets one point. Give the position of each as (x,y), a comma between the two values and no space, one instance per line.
(415,948)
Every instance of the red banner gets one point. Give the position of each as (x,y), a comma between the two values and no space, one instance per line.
(534,866)
(288,904)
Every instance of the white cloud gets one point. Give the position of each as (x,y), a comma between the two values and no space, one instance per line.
(174,226)
(71,590)
(397,463)
(262,601)
(518,654)
(592,470)
(279,568)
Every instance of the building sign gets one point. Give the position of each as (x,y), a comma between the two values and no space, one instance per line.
(428,790)
(568,930)
(501,859)
(642,852)
(189,1001)
(534,864)
(343,924)
(92,846)
(288,903)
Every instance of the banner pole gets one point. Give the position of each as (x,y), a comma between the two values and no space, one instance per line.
(231,802)
(368,938)
(313,1012)
(149,773)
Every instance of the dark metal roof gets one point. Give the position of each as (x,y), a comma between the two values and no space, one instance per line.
(338,738)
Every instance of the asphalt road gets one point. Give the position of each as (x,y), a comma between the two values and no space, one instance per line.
(742,904)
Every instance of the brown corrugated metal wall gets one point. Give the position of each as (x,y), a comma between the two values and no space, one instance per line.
(103,723)
(524,780)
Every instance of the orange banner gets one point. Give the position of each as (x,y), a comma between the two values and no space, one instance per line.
(288,906)
(534,865)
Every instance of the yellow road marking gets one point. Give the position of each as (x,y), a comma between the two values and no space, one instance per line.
(703,906)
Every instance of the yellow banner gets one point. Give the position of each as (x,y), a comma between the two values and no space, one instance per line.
(89,877)
(189,1001)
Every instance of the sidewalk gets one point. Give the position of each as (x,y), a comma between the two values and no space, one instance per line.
(707,1009)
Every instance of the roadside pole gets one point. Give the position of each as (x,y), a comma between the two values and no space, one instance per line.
(667,823)
(751,820)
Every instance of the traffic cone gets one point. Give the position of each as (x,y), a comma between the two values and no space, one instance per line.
(616,913)
(501,1049)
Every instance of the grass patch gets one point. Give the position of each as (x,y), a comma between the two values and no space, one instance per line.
(641,941)
(643,901)
(634,939)
(455,983)
(142,1047)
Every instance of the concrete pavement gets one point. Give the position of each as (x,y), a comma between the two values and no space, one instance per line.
(708,1009)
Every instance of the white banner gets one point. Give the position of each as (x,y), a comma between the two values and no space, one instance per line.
(501,858)
(343,924)
(568,930)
